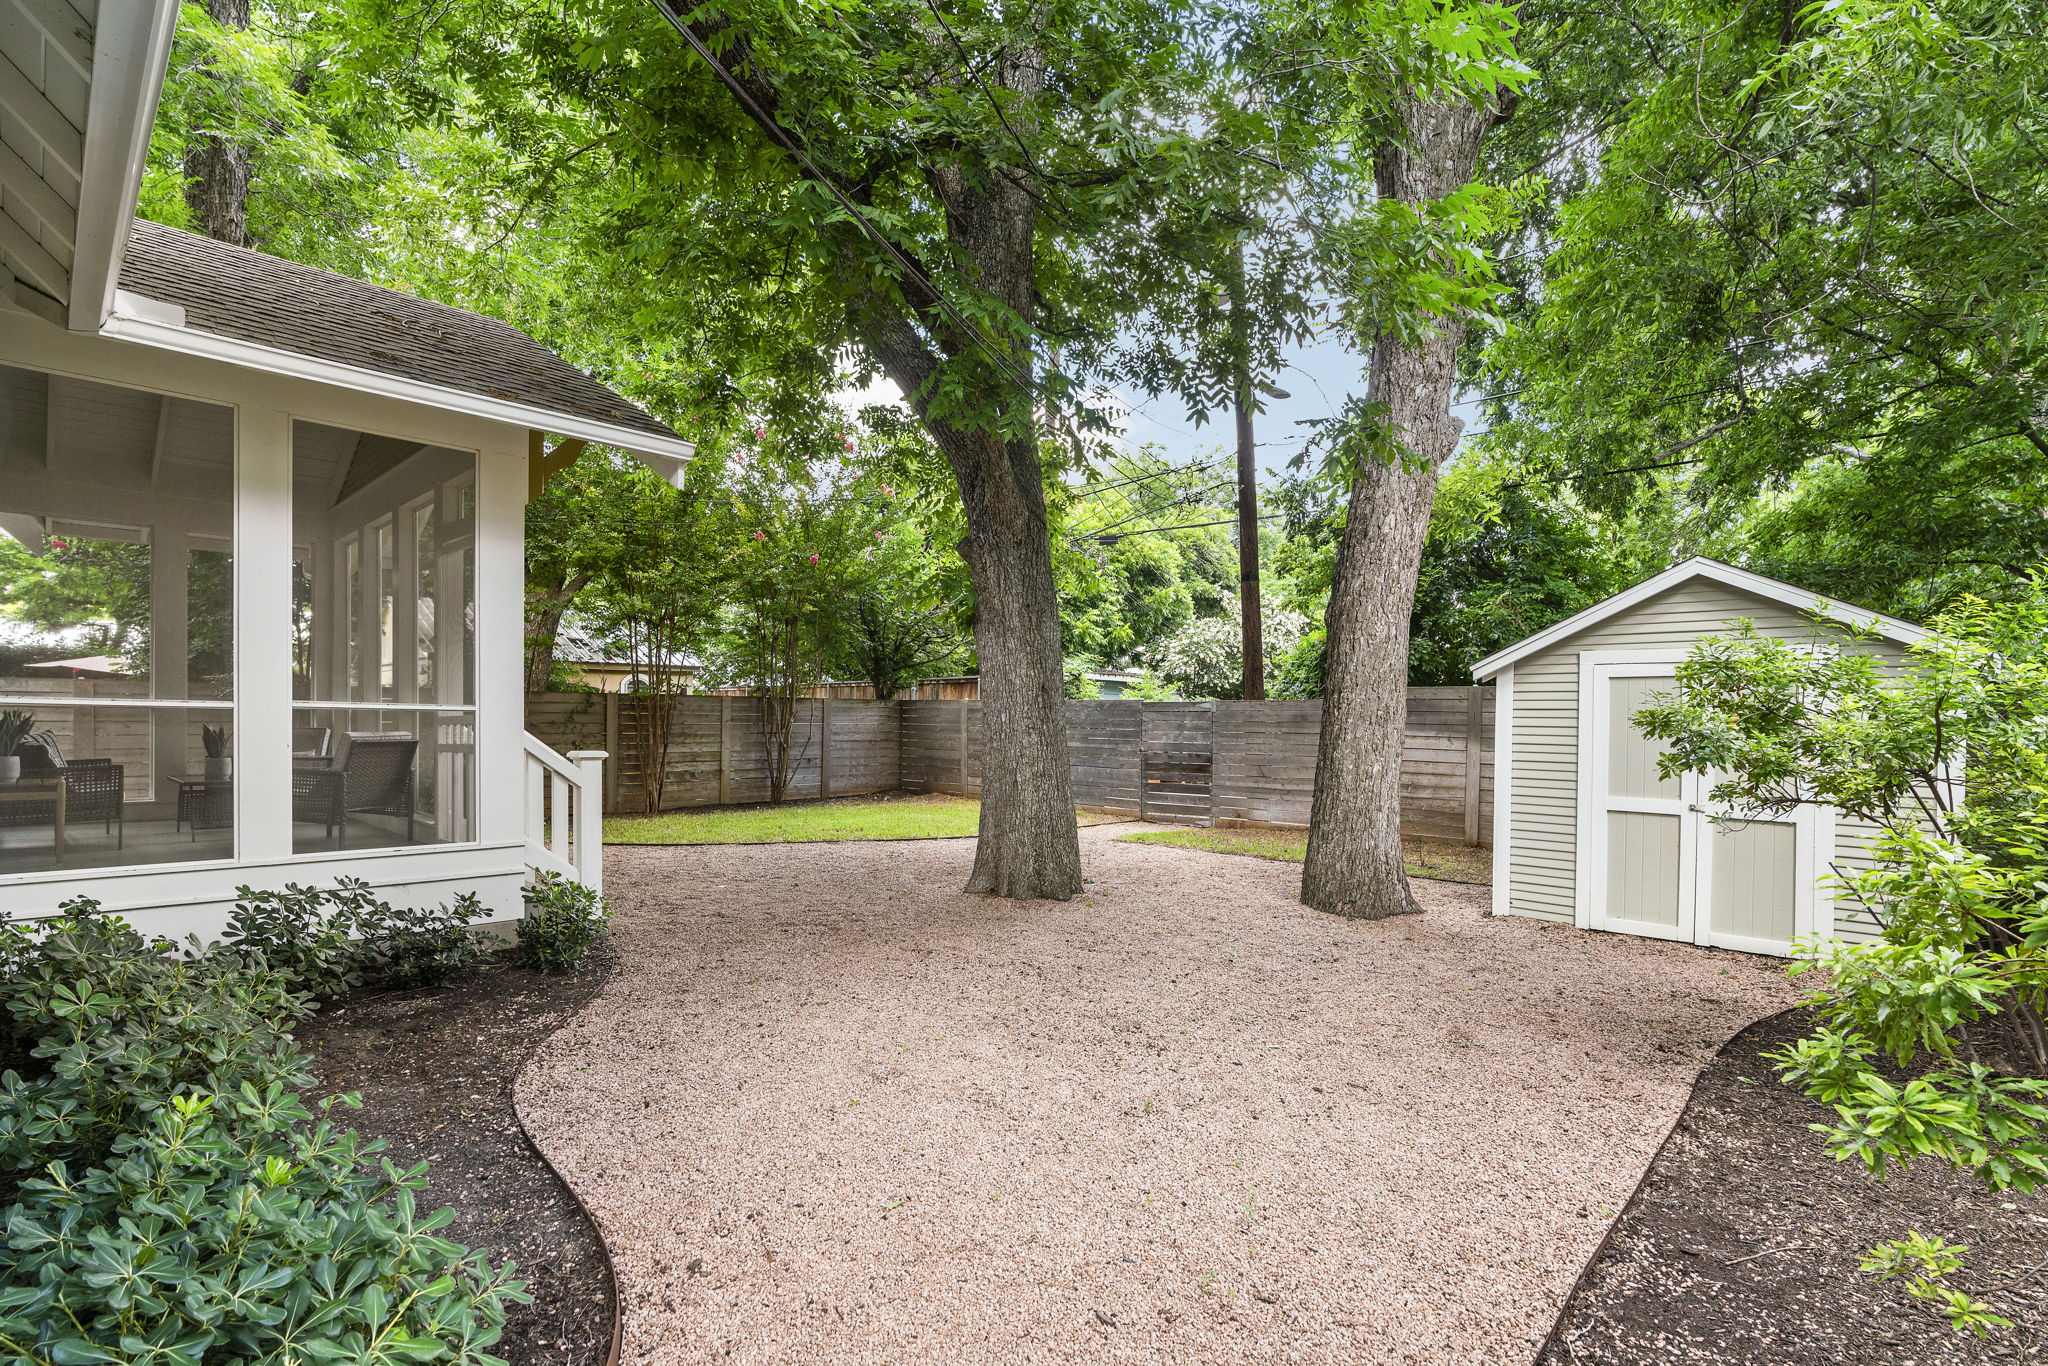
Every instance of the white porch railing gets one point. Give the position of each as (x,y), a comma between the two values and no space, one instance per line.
(565,812)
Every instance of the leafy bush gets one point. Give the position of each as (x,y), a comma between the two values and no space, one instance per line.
(563,919)
(1933,1040)
(168,1196)
(427,946)
(328,939)
(1954,992)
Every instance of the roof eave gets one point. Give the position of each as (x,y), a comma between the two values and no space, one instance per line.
(131,51)
(1699,567)
(277,361)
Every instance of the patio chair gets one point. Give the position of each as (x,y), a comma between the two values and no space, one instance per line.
(375,778)
(94,789)
(314,744)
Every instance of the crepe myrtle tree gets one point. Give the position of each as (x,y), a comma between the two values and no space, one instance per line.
(809,570)
(1948,759)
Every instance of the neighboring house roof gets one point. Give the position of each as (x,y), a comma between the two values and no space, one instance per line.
(1699,567)
(577,644)
(90,664)
(213,289)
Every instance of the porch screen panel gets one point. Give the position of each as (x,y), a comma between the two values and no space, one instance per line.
(383,533)
(116,625)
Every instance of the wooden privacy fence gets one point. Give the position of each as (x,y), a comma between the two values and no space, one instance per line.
(1228,763)
(1200,763)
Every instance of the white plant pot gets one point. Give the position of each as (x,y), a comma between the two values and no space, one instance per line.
(219,770)
(10,769)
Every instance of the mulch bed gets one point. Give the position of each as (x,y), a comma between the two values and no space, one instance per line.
(435,1068)
(1681,1281)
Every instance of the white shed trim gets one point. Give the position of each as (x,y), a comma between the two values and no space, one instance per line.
(1699,567)
(1503,784)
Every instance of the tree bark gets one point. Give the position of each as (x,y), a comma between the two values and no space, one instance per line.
(544,609)
(217,168)
(1354,866)
(1028,846)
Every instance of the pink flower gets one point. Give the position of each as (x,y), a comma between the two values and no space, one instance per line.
(59,543)
(814,557)
(849,442)
(878,535)
(888,492)
(760,433)
(760,535)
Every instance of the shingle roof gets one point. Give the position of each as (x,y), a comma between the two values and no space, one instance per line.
(578,642)
(272,302)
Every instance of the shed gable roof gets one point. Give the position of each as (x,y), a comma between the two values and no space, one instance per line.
(1699,567)
(266,301)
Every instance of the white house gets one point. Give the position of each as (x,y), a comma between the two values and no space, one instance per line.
(302,497)
(1585,831)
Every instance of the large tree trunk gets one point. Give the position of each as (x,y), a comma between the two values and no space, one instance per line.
(1354,865)
(217,168)
(1028,845)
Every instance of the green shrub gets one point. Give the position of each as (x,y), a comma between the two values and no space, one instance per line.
(563,919)
(426,947)
(168,1197)
(312,935)
(328,939)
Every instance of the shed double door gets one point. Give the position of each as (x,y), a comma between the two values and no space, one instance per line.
(1661,859)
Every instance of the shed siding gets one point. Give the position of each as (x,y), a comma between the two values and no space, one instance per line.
(1542,849)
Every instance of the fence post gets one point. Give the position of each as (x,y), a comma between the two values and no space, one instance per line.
(825,745)
(1475,754)
(611,745)
(724,749)
(587,853)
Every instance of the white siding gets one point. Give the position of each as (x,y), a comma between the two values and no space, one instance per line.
(1542,841)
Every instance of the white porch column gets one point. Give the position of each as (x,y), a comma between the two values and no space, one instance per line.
(263,623)
(500,645)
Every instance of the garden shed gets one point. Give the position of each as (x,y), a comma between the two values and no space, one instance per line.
(1585,831)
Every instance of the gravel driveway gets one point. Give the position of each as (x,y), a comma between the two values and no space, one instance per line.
(830,1110)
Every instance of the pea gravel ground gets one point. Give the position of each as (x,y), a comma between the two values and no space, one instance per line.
(831,1110)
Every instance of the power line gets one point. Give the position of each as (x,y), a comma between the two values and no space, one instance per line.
(1114,537)
(1156,474)
(1188,499)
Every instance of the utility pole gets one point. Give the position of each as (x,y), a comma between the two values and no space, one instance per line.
(1253,629)
(1248,546)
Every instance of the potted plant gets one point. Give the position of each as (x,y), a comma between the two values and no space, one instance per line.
(14,728)
(218,765)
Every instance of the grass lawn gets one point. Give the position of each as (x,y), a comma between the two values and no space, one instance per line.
(887,817)
(1445,860)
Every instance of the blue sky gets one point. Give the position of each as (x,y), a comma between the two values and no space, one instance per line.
(1318,379)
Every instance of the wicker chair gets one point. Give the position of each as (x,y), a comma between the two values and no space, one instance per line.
(311,743)
(375,778)
(94,789)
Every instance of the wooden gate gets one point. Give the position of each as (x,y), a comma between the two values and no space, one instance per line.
(1178,750)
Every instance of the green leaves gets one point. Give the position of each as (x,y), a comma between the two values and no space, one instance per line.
(1931,1042)
(563,920)
(173,1199)
(1808,259)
